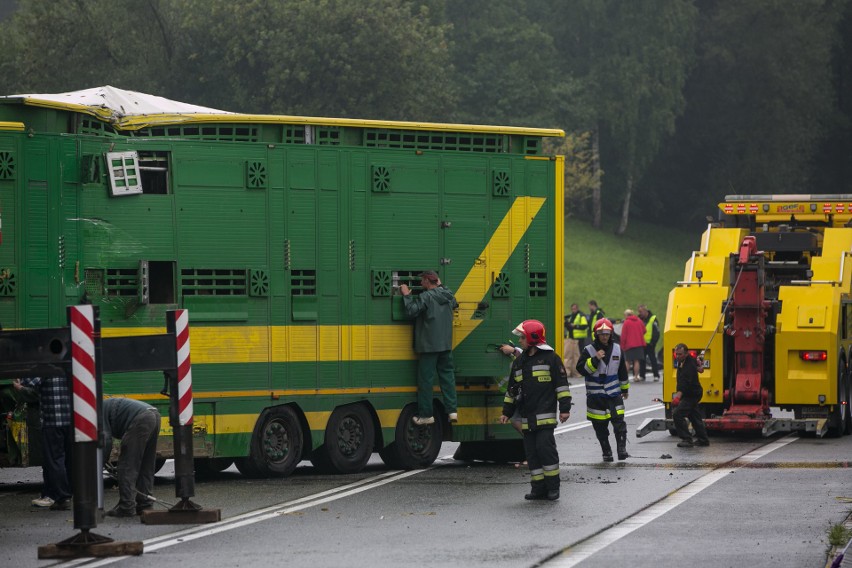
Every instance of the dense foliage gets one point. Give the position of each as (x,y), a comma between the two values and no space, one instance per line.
(666,102)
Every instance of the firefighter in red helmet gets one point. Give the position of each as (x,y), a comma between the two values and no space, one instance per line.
(537,384)
(602,364)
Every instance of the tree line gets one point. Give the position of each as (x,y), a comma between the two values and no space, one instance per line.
(668,105)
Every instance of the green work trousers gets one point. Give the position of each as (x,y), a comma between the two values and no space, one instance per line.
(428,364)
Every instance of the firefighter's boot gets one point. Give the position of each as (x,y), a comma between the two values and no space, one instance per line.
(552,484)
(621,445)
(538,491)
(606,449)
(602,434)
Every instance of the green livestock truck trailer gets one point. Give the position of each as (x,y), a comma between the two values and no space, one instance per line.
(286,238)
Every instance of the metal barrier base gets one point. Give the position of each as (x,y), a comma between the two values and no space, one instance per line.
(184,513)
(88,544)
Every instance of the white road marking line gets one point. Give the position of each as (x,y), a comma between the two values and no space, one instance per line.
(271,512)
(202,531)
(634,412)
(574,554)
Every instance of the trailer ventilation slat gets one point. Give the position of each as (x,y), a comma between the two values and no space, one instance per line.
(213,282)
(423,140)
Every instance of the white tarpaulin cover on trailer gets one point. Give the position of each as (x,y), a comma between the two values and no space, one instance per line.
(119,102)
(129,110)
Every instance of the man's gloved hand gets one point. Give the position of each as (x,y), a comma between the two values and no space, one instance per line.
(507,349)
(675,400)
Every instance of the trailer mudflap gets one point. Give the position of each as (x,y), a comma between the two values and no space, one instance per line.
(654,425)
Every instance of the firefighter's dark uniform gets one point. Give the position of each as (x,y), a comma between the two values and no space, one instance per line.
(691,392)
(537,383)
(605,381)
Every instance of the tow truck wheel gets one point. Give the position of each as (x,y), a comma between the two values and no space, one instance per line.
(349,439)
(413,446)
(672,431)
(847,421)
(837,417)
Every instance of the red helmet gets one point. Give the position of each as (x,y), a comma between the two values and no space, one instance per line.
(603,325)
(532,330)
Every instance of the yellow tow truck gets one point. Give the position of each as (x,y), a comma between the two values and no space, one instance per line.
(765,302)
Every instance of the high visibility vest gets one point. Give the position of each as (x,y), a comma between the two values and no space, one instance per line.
(593,318)
(581,326)
(604,380)
(649,329)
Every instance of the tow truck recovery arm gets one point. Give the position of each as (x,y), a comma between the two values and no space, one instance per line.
(747,314)
(817,426)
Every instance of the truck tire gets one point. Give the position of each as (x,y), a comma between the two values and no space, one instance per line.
(414,447)
(349,438)
(847,421)
(837,417)
(672,431)
(276,445)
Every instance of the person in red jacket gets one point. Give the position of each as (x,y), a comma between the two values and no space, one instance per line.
(633,342)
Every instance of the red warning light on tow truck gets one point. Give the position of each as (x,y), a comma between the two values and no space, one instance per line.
(813,355)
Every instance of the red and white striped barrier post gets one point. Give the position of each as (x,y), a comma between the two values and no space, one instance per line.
(180,407)
(86,396)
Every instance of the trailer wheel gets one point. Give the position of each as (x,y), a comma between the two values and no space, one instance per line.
(276,445)
(413,446)
(349,439)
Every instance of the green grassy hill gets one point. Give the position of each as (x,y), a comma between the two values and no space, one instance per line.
(640,267)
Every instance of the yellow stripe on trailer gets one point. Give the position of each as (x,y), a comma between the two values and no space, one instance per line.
(245,423)
(493,258)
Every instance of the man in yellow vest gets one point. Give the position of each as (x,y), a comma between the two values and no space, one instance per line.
(595,313)
(652,335)
(576,334)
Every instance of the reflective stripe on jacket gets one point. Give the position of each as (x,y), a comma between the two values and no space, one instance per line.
(539,384)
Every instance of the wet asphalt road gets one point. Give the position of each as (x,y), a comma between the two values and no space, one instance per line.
(697,508)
